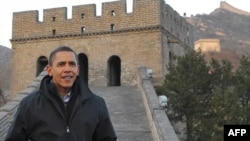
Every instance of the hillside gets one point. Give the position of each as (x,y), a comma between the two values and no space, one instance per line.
(5,57)
(233,30)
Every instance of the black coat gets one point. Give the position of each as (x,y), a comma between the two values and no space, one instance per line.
(42,116)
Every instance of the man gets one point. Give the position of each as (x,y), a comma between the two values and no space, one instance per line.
(64,108)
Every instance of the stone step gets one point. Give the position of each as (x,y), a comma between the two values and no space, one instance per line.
(127,112)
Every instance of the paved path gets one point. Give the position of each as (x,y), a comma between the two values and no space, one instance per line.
(127,112)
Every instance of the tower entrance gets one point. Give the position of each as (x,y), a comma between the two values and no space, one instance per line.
(83,67)
(114,71)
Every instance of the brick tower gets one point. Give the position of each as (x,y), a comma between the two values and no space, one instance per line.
(110,47)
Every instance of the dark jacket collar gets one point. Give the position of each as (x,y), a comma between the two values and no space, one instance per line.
(79,89)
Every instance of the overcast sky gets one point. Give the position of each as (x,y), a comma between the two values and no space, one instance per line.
(190,7)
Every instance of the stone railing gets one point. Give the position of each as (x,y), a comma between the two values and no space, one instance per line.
(161,128)
(9,109)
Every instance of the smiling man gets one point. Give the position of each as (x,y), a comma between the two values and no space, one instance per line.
(64,108)
(64,70)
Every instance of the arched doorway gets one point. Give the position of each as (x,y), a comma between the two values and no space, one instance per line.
(114,71)
(83,67)
(42,62)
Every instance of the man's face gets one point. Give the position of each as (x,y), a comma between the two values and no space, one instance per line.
(64,70)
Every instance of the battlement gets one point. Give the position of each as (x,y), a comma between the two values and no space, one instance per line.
(228,7)
(84,20)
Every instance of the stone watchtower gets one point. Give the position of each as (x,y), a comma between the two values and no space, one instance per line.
(207,45)
(110,47)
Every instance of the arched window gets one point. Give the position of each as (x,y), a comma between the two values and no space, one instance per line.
(83,67)
(42,62)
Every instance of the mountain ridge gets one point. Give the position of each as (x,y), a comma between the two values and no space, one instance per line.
(232,29)
(226,6)
(228,24)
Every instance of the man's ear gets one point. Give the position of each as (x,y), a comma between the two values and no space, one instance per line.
(49,70)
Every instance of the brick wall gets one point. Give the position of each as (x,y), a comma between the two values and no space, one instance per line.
(228,7)
(140,38)
(207,45)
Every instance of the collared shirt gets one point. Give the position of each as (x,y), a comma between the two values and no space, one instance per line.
(66,98)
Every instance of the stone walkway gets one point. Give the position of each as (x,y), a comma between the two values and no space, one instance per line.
(127,112)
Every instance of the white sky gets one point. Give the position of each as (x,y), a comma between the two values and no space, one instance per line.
(190,7)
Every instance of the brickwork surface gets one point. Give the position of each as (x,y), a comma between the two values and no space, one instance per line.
(140,38)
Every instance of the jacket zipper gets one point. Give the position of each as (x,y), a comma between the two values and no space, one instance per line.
(67,129)
(67,123)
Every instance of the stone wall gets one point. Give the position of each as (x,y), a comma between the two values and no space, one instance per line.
(207,45)
(161,128)
(7,112)
(143,37)
(98,50)
(228,7)
(180,30)
(27,27)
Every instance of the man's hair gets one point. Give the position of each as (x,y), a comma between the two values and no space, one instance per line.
(60,49)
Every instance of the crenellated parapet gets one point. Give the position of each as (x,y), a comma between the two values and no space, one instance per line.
(228,7)
(146,15)
(84,19)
